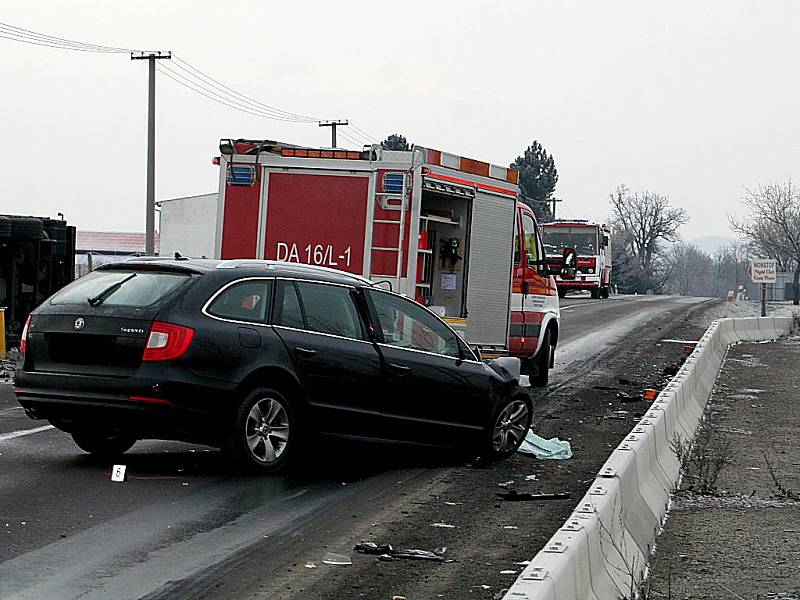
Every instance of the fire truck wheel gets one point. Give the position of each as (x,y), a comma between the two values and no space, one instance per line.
(542,362)
(604,292)
(562,293)
(595,293)
(265,432)
(509,427)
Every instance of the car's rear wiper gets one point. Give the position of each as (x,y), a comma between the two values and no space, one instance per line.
(100,298)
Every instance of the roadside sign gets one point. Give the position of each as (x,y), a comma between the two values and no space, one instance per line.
(763,270)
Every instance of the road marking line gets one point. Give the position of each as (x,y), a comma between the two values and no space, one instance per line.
(15,434)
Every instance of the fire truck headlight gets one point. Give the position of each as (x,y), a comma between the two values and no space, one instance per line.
(591,270)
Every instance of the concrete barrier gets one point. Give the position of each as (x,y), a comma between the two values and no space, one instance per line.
(602,551)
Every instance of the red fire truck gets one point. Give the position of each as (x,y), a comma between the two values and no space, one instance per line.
(443,229)
(592,243)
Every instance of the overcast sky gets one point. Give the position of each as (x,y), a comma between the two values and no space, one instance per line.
(693,100)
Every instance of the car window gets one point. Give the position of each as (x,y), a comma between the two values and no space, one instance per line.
(120,288)
(243,301)
(330,309)
(406,324)
(531,239)
(288,312)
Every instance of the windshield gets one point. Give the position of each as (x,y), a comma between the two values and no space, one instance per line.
(583,239)
(120,288)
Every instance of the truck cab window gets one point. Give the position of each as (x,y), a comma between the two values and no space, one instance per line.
(531,240)
(517,245)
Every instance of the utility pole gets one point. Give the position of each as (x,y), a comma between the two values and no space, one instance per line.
(332,125)
(554,200)
(150,218)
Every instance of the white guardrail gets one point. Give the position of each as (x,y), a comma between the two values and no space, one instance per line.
(603,549)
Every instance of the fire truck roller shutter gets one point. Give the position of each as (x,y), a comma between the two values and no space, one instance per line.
(489,279)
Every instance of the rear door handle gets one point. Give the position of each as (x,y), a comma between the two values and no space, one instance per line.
(305,352)
(399,369)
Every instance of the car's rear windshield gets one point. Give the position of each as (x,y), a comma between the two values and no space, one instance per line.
(120,288)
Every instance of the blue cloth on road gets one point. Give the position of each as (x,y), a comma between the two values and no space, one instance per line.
(553,449)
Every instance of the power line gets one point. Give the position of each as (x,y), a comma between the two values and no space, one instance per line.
(211,94)
(348,137)
(21,34)
(364,133)
(198,74)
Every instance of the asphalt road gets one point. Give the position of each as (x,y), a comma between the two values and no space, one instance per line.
(182,518)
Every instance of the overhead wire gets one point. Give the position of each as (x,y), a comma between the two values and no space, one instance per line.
(364,133)
(20,34)
(209,81)
(347,136)
(187,75)
(211,95)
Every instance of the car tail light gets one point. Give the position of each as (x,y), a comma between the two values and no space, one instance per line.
(23,342)
(167,341)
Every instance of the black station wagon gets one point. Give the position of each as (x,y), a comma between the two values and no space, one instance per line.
(256,357)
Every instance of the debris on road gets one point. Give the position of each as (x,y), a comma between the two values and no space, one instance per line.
(311,565)
(506,484)
(553,448)
(331,558)
(443,525)
(388,553)
(515,496)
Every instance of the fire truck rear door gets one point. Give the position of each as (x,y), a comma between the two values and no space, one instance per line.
(489,279)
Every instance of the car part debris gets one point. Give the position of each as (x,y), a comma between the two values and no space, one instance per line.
(626,397)
(553,448)
(514,496)
(388,553)
(310,565)
(506,484)
(331,558)
(443,525)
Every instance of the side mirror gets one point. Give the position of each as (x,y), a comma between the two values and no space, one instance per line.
(605,241)
(569,263)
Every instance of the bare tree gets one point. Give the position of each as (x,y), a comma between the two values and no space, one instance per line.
(771,226)
(690,271)
(643,221)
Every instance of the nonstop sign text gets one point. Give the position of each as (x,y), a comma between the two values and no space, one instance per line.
(763,270)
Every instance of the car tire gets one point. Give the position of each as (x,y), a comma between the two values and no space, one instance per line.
(103,445)
(265,432)
(508,427)
(542,362)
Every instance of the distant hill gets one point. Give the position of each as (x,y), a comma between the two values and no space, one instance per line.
(710,243)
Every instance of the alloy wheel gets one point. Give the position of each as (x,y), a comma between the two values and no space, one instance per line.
(267,430)
(511,427)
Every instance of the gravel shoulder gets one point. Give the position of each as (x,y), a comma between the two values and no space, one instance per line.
(743,541)
(487,538)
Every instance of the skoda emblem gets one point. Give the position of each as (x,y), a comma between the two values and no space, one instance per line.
(79,323)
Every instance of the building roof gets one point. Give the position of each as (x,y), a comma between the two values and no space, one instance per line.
(111,242)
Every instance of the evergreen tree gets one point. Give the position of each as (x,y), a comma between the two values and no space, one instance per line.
(395,142)
(537,180)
